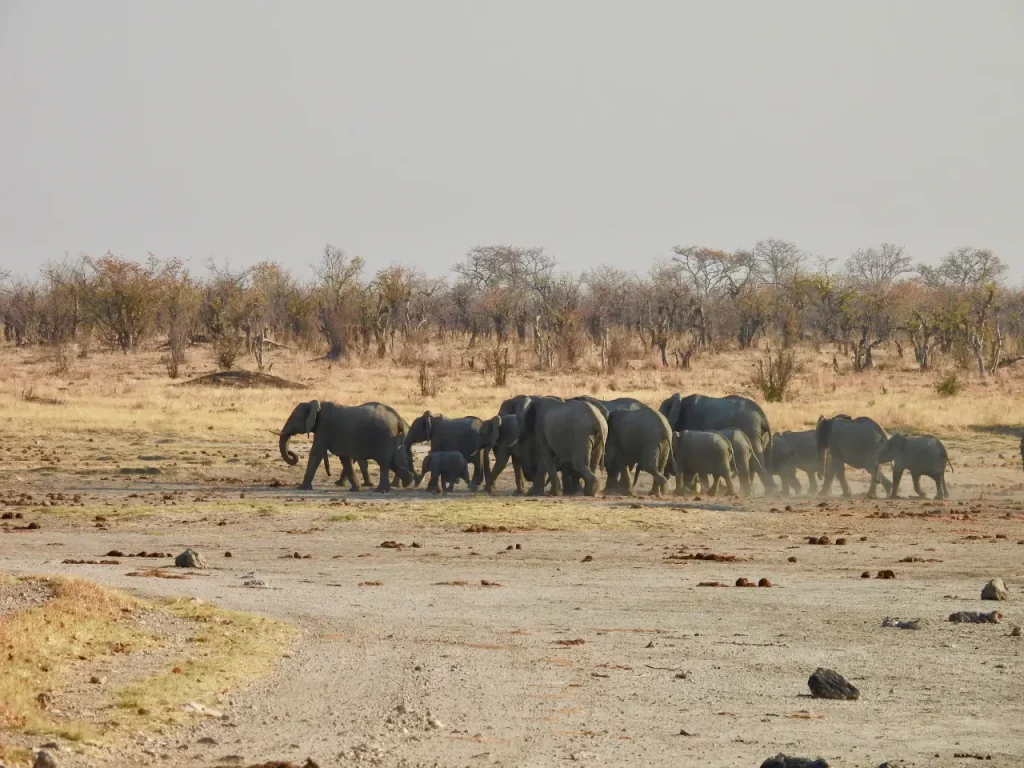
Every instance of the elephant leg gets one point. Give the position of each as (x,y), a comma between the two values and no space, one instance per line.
(659,483)
(476,462)
(487,464)
(435,484)
(612,482)
(830,474)
(917,485)
(743,473)
(841,477)
(517,470)
(636,475)
(364,469)
(347,475)
(547,466)
(812,482)
(710,486)
(730,487)
(680,481)
(941,491)
(317,453)
(384,464)
(883,480)
(897,476)
(625,482)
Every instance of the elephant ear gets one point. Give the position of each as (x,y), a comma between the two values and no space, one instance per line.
(822,432)
(493,431)
(529,420)
(312,411)
(675,410)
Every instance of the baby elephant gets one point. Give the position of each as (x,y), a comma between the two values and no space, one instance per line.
(919,456)
(700,455)
(448,466)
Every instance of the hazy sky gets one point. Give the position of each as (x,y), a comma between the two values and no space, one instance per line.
(604,131)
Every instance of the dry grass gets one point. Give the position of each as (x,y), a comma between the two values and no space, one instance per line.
(229,647)
(50,645)
(81,623)
(118,396)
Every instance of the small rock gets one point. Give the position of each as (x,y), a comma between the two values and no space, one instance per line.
(587,559)
(897,624)
(209,740)
(995,590)
(255,584)
(866,575)
(840,542)
(792,558)
(764,583)
(1017,631)
(742,582)
(887,574)
(190,559)
(827,684)
(975,617)
(45,760)
(227,554)
(96,680)
(434,723)
(785,761)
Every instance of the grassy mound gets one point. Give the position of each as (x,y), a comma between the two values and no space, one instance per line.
(242,380)
(62,649)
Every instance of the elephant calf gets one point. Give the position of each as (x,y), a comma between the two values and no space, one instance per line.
(700,454)
(793,452)
(748,465)
(919,456)
(448,466)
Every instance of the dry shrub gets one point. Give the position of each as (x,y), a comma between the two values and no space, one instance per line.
(63,357)
(500,365)
(950,386)
(427,381)
(618,350)
(571,345)
(774,375)
(226,350)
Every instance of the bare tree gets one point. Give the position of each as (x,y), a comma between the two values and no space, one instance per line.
(336,295)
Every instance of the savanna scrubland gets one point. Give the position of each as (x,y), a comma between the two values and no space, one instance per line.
(495,629)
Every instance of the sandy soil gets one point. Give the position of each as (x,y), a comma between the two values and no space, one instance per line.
(621,660)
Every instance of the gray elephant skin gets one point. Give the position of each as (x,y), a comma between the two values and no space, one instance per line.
(793,452)
(506,449)
(523,452)
(638,436)
(356,432)
(748,465)
(347,475)
(924,455)
(843,441)
(472,437)
(703,455)
(704,413)
(572,433)
(448,467)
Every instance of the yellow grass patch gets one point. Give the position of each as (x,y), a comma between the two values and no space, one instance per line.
(48,645)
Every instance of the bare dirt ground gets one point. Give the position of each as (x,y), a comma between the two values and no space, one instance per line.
(593,644)
(599,647)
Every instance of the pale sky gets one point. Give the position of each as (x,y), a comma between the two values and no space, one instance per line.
(410,131)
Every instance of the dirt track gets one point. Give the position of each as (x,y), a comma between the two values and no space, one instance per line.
(495,667)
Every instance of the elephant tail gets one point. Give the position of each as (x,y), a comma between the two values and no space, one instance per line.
(949,463)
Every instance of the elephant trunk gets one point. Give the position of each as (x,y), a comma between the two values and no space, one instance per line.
(286,454)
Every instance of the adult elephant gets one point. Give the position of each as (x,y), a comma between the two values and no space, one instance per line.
(523,451)
(704,413)
(610,406)
(564,433)
(363,463)
(369,431)
(793,452)
(472,437)
(843,441)
(638,436)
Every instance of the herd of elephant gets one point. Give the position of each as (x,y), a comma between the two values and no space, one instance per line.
(559,444)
